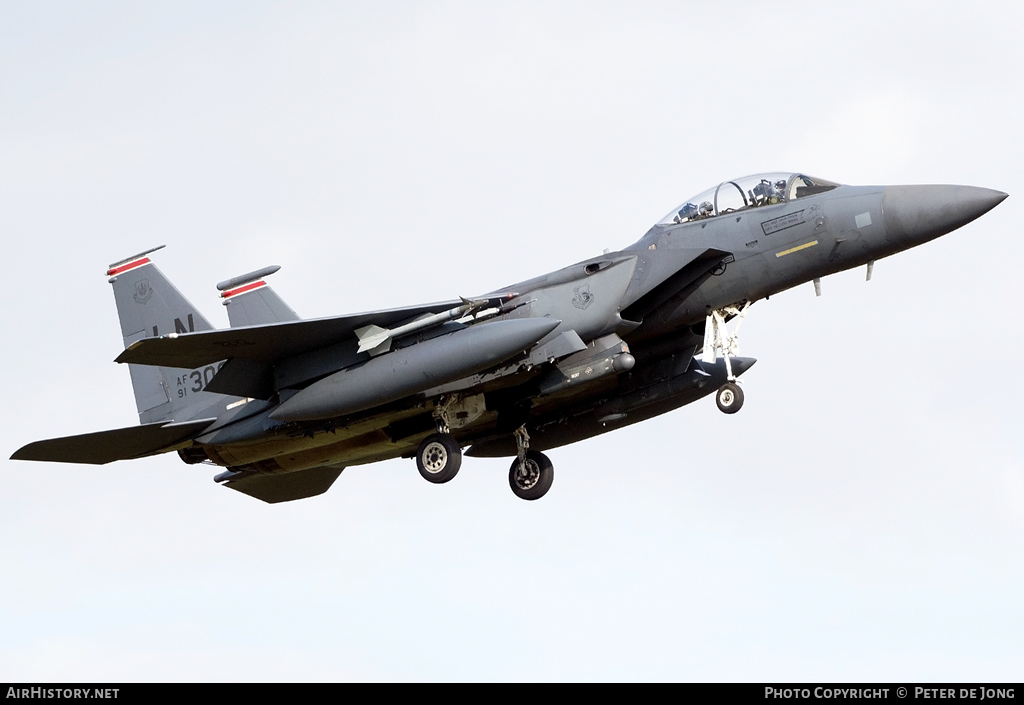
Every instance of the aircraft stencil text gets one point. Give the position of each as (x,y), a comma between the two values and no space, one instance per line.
(196,380)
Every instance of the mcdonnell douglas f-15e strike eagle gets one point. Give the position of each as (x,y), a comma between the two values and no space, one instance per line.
(284,404)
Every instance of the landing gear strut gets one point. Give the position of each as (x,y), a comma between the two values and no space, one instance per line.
(532,473)
(718,339)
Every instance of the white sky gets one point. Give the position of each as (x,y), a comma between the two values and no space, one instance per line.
(862,518)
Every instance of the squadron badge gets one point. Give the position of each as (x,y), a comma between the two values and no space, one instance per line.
(142,291)
(582,297)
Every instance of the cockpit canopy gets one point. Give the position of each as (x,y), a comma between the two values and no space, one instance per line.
(748,192)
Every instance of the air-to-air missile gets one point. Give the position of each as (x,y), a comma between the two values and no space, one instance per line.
(284,404)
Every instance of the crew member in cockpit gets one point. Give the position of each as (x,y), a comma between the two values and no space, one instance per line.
(687,212)
(768,193)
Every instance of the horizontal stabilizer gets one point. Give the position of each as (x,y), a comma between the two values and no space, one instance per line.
(266,343)
(285,488)
(118,444)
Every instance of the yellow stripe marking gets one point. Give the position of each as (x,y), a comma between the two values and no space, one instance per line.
(791,250)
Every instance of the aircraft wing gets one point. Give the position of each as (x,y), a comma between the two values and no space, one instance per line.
(105,447)
(266,343)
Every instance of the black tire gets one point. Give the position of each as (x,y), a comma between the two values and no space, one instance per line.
(729,398)
(439,458)
(540,473)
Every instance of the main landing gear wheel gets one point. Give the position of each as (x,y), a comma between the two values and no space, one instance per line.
(729,398)
(534,478)
(439,458)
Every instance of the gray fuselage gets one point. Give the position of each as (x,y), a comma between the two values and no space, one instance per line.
(653,296)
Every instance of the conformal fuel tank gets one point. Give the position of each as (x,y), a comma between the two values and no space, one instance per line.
(402,372)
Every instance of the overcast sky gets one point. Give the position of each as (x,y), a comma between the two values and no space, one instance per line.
(862,518)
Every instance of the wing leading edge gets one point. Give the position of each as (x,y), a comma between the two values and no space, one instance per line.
(265,343)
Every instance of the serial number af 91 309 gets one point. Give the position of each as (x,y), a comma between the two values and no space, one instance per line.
(196,380)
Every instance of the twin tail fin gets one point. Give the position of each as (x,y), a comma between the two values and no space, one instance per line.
(149,305)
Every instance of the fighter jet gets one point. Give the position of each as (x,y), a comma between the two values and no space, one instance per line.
(282,405)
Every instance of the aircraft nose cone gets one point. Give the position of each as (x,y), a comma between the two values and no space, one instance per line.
(922,213)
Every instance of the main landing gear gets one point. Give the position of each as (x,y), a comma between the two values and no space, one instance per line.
(439,458)
(718,340)
(531,477)
(532,473)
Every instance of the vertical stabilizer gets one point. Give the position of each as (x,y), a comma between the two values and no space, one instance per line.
(148,305)
(251,302)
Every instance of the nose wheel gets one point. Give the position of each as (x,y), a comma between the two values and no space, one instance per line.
(729,398)
(439,458)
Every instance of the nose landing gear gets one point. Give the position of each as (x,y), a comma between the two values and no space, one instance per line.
(729,398)
(718,339)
